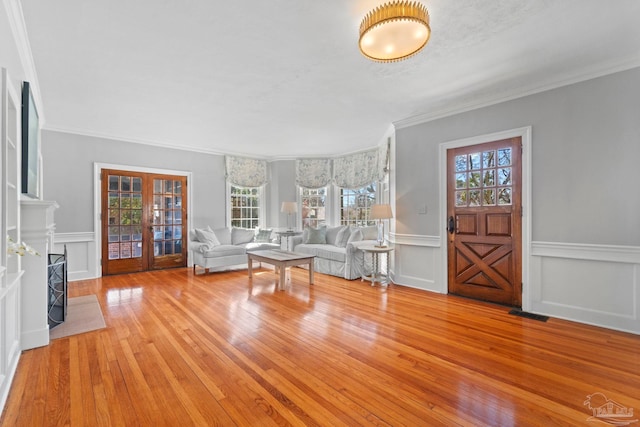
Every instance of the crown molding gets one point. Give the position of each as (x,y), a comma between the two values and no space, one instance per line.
(600,70)
(91,134)
(83,132)
(19,31)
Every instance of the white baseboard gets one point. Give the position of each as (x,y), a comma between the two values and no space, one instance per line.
(35,338)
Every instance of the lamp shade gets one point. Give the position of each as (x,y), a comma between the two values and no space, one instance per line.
(381,212)
(289,207)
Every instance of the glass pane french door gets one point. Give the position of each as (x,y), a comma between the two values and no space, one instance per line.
(168,213)
(143,221)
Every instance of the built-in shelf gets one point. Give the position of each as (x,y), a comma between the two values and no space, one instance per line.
(11,269)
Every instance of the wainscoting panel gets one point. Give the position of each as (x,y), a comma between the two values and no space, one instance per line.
(81,248)
(10,350)
(416,262)
(594,284)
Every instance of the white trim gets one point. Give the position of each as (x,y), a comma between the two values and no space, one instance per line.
(97,202)
(592,300)
(74,237)
(525,134)
(262,209)
(590,252)
(415,240)
(80,249)
(21,37)
(624,64)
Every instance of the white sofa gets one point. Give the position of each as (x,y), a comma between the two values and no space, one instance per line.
(338,252)
(223,247)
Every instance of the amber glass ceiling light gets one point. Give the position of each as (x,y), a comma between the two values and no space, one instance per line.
(394,31)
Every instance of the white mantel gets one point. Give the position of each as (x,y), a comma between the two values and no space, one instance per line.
(36,229)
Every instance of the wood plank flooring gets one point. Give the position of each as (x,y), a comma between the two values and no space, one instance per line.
(219,349)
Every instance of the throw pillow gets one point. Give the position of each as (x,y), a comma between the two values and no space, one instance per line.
(240,236)
(223,235)
(264,235)
(207,236)
(317,236)
(343,237)
(332,234)
(356,236)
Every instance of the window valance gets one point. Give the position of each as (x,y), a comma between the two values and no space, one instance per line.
(245,172)
(313,173)
(352,171)
(360,169)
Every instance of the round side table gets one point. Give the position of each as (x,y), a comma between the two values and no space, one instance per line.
(376,274)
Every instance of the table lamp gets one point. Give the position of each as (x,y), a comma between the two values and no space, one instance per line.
(289,208)
(381,212)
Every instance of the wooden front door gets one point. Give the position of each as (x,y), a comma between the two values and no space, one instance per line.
(484,224)
(143,221)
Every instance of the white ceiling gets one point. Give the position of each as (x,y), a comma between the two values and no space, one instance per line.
(281,79)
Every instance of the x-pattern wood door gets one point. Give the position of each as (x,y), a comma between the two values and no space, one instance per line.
(484,221)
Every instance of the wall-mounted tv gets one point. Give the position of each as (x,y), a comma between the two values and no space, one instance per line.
(30,144)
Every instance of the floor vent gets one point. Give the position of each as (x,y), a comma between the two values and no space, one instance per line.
(533,316)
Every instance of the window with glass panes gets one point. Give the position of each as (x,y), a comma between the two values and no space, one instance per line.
(125,217)
(313,207)
(167,217)
(355,205)
(245,207)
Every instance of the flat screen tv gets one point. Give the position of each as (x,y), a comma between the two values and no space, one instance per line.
(30,144)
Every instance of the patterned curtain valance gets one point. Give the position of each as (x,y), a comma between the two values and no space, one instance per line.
(313,173)
(245,172)
(358,170)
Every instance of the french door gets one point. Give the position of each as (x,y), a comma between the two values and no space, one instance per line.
(144,221)
(484,223)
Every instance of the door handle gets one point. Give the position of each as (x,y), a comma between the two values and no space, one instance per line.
(451,226)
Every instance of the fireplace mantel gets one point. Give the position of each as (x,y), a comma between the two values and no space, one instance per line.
(36,229)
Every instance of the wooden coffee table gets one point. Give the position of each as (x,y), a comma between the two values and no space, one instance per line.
(281,260)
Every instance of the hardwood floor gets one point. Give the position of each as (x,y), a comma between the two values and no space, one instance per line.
(219,349)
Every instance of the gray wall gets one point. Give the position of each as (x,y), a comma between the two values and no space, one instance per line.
(68,176)
(585,151)
(283,189)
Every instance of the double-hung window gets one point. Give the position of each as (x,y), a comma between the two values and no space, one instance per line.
(355,205)
(246,204)
(314,207)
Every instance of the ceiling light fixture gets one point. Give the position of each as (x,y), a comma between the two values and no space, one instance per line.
(394,31)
